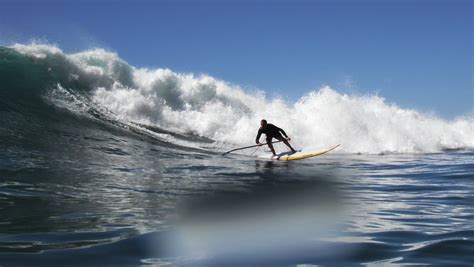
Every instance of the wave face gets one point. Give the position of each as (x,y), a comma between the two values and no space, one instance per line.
(100,85)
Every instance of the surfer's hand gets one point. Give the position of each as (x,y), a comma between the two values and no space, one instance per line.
(289,139)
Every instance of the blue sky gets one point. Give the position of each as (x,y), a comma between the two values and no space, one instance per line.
(417,54)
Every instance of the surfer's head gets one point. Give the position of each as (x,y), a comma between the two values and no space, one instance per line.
(263,123)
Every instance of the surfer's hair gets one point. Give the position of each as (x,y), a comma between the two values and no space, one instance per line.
(264,121)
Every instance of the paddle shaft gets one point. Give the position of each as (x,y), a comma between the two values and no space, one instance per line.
(240,148)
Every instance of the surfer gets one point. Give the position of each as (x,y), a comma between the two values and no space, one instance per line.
(271,131)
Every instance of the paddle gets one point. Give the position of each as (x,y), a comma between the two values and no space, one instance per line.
(240,148)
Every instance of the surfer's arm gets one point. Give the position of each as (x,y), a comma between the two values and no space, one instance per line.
(258,136)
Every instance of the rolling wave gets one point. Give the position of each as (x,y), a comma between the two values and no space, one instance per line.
(202,111)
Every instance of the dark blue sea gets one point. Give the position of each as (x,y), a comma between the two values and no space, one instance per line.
(104,164)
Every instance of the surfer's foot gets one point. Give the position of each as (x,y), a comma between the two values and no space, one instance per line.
(294,151)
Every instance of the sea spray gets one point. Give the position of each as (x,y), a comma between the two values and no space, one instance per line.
(228,114)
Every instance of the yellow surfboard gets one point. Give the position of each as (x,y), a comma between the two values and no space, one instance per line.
(287,156)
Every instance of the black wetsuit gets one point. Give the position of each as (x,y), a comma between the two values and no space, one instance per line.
(271,131)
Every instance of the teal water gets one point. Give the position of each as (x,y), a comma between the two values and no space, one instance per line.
(80,188)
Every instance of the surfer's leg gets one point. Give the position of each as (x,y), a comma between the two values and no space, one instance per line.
(281,138)
(270,145)
(288,144)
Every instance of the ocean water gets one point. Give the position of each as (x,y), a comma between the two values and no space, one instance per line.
(103,163)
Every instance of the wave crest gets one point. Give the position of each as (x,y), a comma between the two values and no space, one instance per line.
(212,108)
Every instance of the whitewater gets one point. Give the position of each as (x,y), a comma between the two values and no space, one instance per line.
(229,115)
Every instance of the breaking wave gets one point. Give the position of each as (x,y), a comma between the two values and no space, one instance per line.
(100,85)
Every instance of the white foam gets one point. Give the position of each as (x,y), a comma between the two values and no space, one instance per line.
(39,51)
(226,113)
